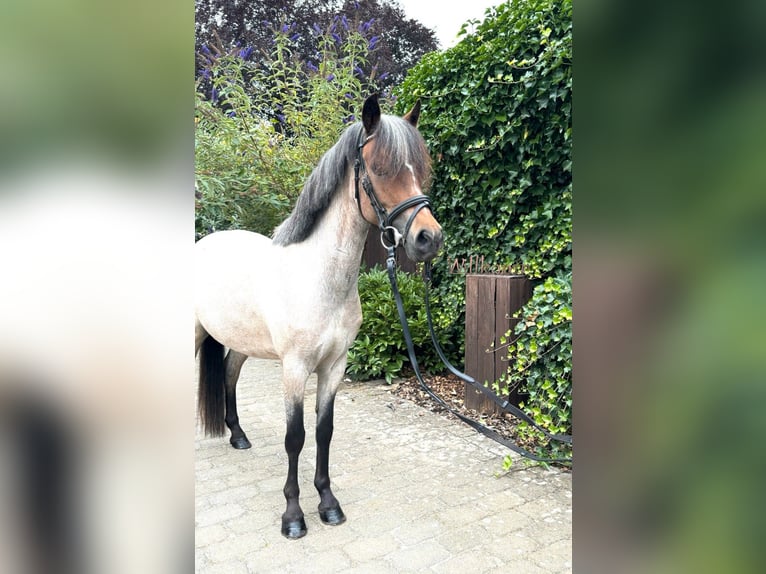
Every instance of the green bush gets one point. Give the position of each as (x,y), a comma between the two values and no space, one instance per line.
(540,366)
(379,349)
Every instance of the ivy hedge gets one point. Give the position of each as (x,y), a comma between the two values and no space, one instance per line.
(497,118)
(540,364)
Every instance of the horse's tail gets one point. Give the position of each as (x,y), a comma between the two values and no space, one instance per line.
(211,397)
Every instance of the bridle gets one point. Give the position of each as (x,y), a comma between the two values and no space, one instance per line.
(389,235)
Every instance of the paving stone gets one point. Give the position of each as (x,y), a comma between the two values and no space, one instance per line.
(232,548)
(372,548)
(206,536)
(218,514)
(415,532)
(418,558)
(231,567)
(468,562)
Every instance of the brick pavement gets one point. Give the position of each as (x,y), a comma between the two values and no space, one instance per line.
(421,493)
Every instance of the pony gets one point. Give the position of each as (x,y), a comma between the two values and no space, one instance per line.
(294,297)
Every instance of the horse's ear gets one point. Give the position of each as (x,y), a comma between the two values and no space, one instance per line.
(413,115)
(371,114)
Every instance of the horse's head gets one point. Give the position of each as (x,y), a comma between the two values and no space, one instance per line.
(393,170)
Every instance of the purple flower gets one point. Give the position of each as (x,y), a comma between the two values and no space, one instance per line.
(344,22)
(245,53)
(285,28)
(349,119)
(232,114)
(281,118)
(337,38)
(349,95)
(331,77)
(213,95)
(205,49)
(383,76)
(373,42)
(310,65)
(206,73)
(317,29)
(359,71)
(294,37)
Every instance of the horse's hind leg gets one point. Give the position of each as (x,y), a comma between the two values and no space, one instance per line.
(328,382)
(294,375)
(233,366)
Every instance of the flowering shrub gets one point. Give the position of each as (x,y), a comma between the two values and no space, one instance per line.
(261,126)
(399,42)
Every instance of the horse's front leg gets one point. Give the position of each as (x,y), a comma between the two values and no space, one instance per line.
(293,522)
(328,382)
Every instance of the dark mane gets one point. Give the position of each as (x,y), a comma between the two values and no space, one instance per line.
(397,142)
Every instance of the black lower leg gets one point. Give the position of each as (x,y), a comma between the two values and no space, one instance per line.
(238,438)
(293,523)
(329,509)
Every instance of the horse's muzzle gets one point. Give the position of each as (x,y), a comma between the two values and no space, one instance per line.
(426,245)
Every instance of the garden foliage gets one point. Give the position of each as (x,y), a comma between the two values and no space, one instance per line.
(497,118)
(540,362)
(261,128)
(379,350)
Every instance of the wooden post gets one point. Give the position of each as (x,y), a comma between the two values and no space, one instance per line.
(490,301)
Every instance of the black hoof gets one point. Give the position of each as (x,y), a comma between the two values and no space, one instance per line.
(294,529)
(240,443)
(332,516)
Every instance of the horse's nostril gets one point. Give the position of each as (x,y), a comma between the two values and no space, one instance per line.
(423,238)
